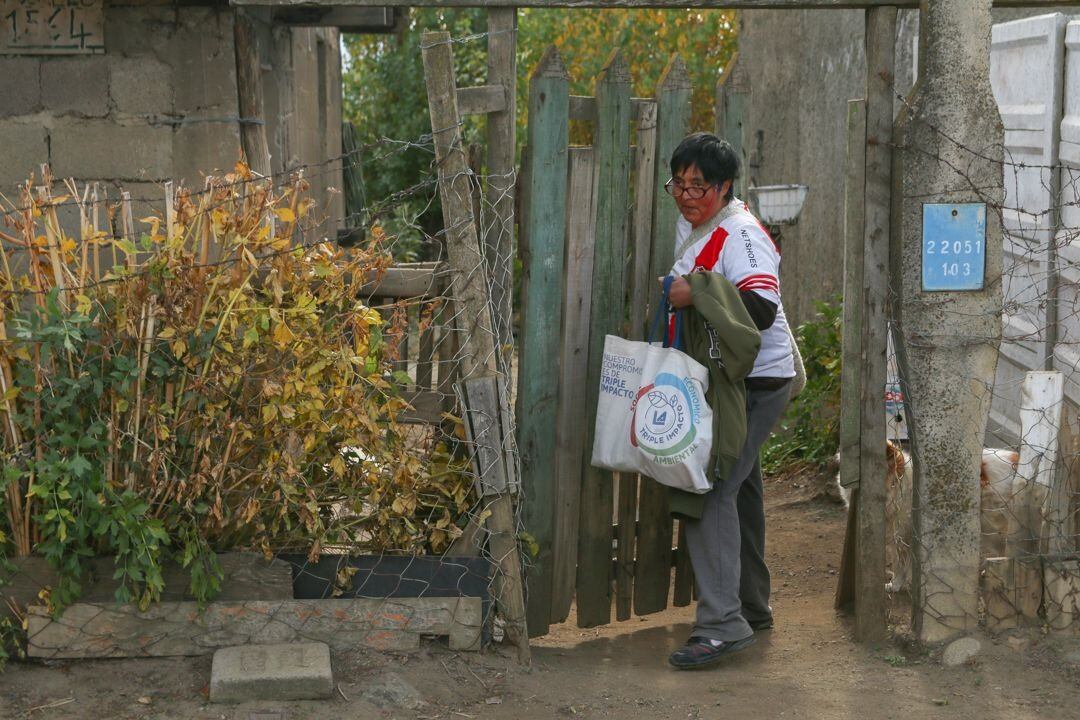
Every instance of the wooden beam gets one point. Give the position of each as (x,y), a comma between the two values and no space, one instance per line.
(469,288)
(850,376)
(612,142)
(541,325)
(501,136)
(851,353)
(481,100)
(573,367)
(652,575)
(250,93)
(346,19)
(649,4)
(407,280)
(870,529)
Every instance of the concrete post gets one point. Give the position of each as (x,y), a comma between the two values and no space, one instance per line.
(950,138)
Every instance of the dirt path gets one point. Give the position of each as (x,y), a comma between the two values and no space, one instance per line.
(807,667)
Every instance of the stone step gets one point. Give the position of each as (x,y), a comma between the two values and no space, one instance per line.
(284,671)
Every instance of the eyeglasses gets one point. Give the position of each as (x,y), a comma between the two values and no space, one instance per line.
(693,192)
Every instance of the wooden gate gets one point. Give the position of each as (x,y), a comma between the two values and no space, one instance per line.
(597,231)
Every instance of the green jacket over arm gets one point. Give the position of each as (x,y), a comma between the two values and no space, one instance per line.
(717,305)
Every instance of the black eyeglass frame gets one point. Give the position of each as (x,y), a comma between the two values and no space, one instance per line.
(688,190)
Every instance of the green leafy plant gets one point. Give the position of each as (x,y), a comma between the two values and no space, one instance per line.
(809,433)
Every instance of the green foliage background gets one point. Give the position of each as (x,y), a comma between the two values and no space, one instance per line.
(384,95)
(809,433)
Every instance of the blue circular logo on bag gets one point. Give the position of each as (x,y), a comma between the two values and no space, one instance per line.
(665,416)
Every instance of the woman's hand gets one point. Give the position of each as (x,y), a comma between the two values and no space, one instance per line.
(680,296)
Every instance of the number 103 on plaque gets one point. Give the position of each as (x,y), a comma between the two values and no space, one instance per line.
(953,246)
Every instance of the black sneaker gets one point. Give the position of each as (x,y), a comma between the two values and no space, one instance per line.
(759,625)
(699,652)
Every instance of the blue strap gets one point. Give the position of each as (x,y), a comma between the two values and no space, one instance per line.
(659,326)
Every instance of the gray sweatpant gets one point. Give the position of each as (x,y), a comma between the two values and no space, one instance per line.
(727,545)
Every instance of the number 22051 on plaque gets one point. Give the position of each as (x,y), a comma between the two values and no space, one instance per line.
(953,246)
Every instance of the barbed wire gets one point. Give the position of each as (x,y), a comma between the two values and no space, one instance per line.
(1026,503)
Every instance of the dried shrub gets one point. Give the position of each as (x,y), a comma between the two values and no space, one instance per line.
(211,384)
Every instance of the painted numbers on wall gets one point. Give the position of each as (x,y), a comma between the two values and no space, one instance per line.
(52,27)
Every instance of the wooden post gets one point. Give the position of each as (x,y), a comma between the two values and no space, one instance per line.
(250,94)
(652,571)
(870,530)
(538,373)
(731,92)
(641,286)
(501,146)
(576,306)
(477,355)
(612,142)
(851,364)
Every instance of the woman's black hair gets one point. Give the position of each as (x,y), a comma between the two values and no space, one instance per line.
(715,158)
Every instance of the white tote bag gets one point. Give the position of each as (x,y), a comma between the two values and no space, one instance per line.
(620,380)
(672,423)
(652,417)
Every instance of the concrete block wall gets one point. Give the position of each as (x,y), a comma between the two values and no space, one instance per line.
(162,104)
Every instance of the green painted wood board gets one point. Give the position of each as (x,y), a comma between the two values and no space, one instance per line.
(538,372)
(652,576)
(612,147)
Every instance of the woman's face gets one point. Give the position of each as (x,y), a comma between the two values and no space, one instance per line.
(699,210)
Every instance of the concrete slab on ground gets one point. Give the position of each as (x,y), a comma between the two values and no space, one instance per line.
(286,671)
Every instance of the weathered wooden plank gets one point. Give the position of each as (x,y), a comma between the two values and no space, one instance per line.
(612,139)
(427,407)
(642,4)
(250,93)
(425,353)
(850,367)
(584,107)
(541,292)
(851,349)
(845,581)
(653,574)
(473,318)
(642,286)
(480,411)
(380,19)
(407,280)
(625,545)
(501,180)
(170,629)
(482,99)
(731,99)
(870,544)
(684,571)
(573,367)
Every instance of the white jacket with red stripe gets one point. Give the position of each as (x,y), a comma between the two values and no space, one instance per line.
(735,245)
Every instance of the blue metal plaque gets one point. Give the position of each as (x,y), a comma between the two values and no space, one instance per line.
(953,246)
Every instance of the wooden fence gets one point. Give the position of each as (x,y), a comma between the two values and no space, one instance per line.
(598,229)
